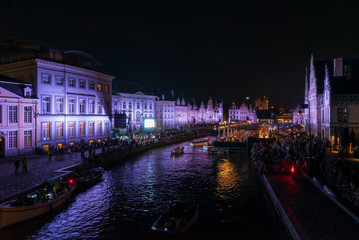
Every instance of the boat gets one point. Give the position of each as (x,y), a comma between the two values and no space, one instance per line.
(90,178)
(177,151)
(37,202)
(208,147)
(200,142)
(177,220)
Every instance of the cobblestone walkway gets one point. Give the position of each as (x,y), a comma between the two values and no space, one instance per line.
(39,169)
(313,214)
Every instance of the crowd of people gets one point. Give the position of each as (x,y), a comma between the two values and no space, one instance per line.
(297,152)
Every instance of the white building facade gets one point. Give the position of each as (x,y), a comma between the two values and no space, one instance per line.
(18,108)
(135,102)
(242,114)
(74,97)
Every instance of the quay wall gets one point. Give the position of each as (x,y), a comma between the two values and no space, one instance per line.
(290,229)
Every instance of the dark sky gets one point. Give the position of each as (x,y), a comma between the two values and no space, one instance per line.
(223,49)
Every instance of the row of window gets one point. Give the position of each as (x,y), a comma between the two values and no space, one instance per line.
(59,105)
(59,129)
(72,82)
(124,105)
(13,114)
(13,136)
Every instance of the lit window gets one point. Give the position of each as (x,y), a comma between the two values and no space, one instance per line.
(81,129)
(106,88)
(99,129)
(99,87)
(27,138)
(45,131)
(71,129)
(59,130)
(91,128)
(28,114)
(12,114)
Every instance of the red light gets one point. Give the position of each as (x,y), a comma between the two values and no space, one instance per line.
(292,169)
(71,181)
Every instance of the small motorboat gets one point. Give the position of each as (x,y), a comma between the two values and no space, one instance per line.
(90,177)
(179,217)
(44,199)
(198,143)
(177,151)
(208,147)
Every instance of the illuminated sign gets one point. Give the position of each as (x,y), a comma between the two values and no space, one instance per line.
(149,123)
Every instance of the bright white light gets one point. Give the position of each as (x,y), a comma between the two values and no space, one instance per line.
(149,123)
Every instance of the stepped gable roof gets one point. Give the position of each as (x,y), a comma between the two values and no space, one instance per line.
(168,95)
(15,86)
(119,86)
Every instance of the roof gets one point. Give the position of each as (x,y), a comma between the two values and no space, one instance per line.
(15,86)
(339,85)
(12,50)
(119,86)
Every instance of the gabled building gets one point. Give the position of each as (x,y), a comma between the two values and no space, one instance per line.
(18,111)
(332,95)
(242,114)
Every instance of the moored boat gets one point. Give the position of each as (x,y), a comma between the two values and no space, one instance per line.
(198,143)
(35,203)
(90,177)
(208,148)
(177,150)
(177,219)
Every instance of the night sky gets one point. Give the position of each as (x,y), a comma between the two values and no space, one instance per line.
(223,49)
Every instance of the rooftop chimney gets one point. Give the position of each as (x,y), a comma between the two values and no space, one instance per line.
(338,67)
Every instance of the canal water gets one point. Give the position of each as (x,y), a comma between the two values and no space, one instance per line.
(135,192)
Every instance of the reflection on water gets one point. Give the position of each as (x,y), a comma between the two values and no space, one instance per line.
(228,179)
(135,192)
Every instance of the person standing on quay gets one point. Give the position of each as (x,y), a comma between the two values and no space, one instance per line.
(17,164)
(24,164)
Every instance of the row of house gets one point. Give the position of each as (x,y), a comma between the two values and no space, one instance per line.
(51,98)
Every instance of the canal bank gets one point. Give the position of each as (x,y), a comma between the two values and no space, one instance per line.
(40,168)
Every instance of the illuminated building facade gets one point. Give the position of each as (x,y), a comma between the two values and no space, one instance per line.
(134,101)
(74,96)
(18,108)
(261,104)
(242,114)
(332,98)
